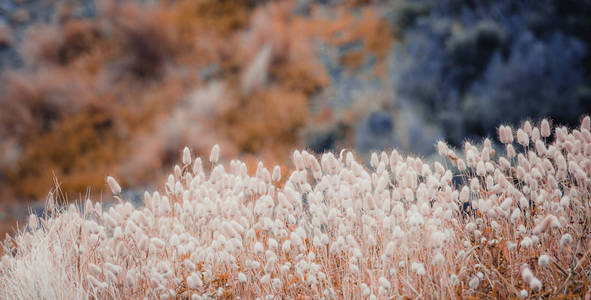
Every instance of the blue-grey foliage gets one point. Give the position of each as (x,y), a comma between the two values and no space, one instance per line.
(470,65)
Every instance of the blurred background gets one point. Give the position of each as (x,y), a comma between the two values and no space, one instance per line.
(96,88)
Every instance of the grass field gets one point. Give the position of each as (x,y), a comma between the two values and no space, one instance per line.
(490,223)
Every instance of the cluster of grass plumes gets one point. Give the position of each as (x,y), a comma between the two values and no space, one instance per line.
(517,227)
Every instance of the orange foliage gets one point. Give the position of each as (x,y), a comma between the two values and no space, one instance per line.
(104,93)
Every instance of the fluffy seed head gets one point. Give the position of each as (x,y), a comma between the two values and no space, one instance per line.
(186,156)
(384,283)
(545,128)
(566,239)
(474,282)
(241,277)
(418,268)
(586,123)
(194,281)
(543,260)
(550,221)
(113,185)
(258,248)
(276,173)
(522,137)
(214,156)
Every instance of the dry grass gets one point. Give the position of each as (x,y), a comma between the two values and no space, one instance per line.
(518,226)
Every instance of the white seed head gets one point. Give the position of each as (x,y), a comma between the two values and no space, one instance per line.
(33,221)
(418,268)
(276,173)
(438,259)
(276,283)
(522,137)
(545,128)
(566,239)
(194,281)
(544,260)
(258,248)
(586,123)
(384,283)
(113,185)
(186,156)
(241,277)
(214,156)
(474,282)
